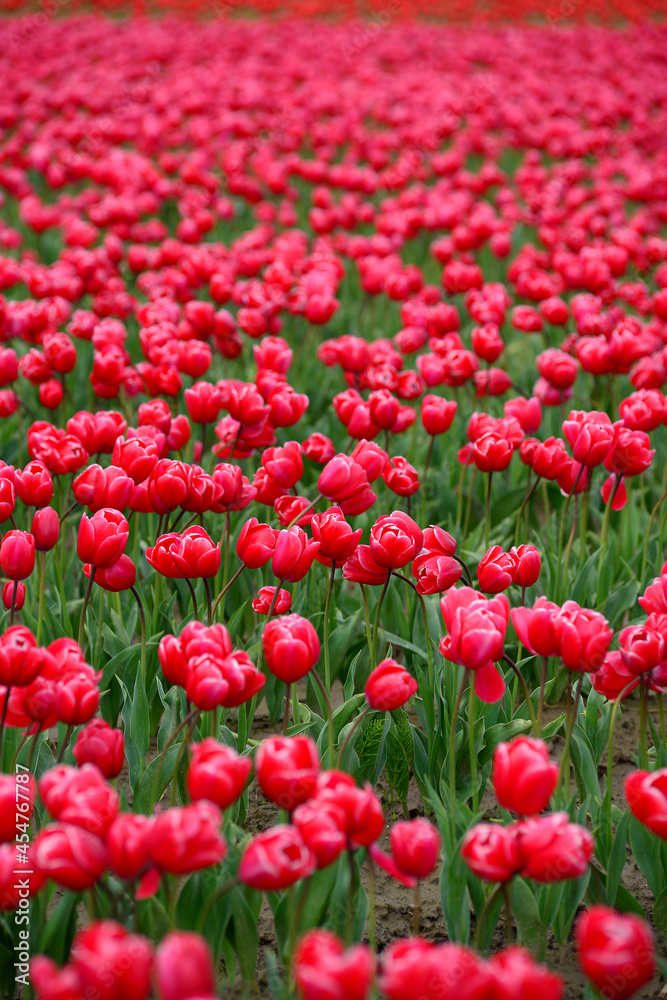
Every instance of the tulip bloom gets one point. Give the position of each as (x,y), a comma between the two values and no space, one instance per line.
(106,953)
(517,976)
(291,647)
(183,967)
(616,951)
(322,967)
(70,855)
(256,543)
(17,554)
(190,555)
(102,538)
(496,570)
(293,555)
(216,773)
(276,859)
(583,637)
(45,528)
(646,794)
(99,744)
(491,852)
(415,847)
(79,795)
(187,838)
(552,848)
(476,627)
(590,435)
(264,599)
(389,686)
(523,775)
(338,541)
(287,769)
(535,627)
(121,576)
(395,540)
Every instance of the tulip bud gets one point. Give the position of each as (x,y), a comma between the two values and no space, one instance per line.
(17,554)
(291,647)
(389,686)
(616,951)
(45,528)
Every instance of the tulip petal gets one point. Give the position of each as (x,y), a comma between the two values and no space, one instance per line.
(489,684)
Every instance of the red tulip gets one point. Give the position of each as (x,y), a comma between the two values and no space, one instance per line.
(276,859)
(264,599)
(121,576)
(516,976)
(287,769)
(80,796)
(102,538)
(111,963)
(496,570)
(491,852)
(256,543)
(437,414)
(99,744)
(590,435)
(293,554)
(523,776)
(536,627)
(45,528)
(553,848)
(217,773)
(34,485)
(17,796)
(17,554)
(291,647)
(128,844)
(476,627)
(70,855)
(325,970)
(322,826)
(527,565)
(184,967)
(415,847)
(395,540)
(646,794)
(583,637)
(616,951)
(389,686)
(188,838)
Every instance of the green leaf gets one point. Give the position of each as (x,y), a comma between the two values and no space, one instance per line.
(617,858)
(660,914)
(645,848)
(246,937)
(455,899)
(585,769)
(500,733)
(140,726)
(532,932)
(397,640)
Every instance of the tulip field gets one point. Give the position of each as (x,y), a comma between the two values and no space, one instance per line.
(333,493)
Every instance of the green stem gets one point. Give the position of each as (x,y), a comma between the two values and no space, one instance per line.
(327,704)
(40,611)
(376,623)
(179,757)
(471,745)
(561,529)
(484,916)
(158,773)
(509,922)
(327,609)
(288,688)
(209,609)
(82,619)
(194,598)
(648,532)
(353,728)
(459,502)
(540,704)
(604,536)
(526,501)
(142,620)
(367,616)
(12,610)
(537,729)
(224,590)
(452,746)
(583,521)
(487,512)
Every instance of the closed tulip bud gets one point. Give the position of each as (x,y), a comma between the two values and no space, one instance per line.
(490,851)
(276,859)
(13,596)
(536,627)
(204,402)
(284,465)
(517,976)
(583,637)
(137,456)
(528,564)
(102,538)
(111,962)
(7,499)
(487,342)
(415,847)
(80,796)
(291,647)
(476,628)
(318,448)
(17,554)
(361,808)
(642,648)
(11,892)
(256,543)
(523,776)
(437,414)
(322,826)
(646,794)
(287,769)
(217,773)
(121,576)
(323,967)
(384,408)
(528,412)
(77,695)
(293,555)
(616,951)
(183,967)
(51,394)
(188,838)
(496,570)
(552,848)
(71,856)
(558,368)
(45,528)
(128,844)
(338,541)
(389,686)
(99,744)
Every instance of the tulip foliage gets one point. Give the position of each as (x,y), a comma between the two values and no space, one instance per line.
(333,490)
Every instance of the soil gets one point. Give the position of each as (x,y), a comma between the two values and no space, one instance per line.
(394,902)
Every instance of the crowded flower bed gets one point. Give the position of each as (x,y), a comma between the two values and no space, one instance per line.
(333,485)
